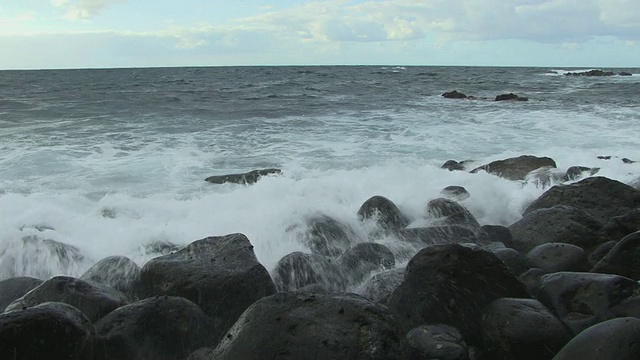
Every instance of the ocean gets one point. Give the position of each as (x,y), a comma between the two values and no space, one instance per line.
(113,161)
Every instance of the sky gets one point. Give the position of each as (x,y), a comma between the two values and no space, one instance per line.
(36,34)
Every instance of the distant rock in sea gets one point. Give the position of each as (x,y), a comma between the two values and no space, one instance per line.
(591,73)
(250,177)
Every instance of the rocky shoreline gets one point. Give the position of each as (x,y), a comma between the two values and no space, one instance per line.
(560,283)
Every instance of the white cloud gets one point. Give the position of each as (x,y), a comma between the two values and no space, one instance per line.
(83,9)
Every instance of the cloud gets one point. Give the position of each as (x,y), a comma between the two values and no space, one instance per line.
(83,9)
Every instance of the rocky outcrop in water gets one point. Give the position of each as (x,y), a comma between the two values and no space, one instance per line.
(384,212)
(118,272)
(516,168)
(510,97)
(247,178)
(591,73)
(454,95)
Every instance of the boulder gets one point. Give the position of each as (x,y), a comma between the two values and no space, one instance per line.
(522,329)
(221,274)
(584,299)
(93,299)
(449,212)
(440,342)
(597,253)
(450,284)
(310,326)
(379,286)
(622,259)
(576,172)
(298,269)
(515,261)
(326,236)
(591,73)
(247,178)
(454,95)
(516,168)
(438,235)
(24,258)
(457,193)
(554,257)
(14,288)
(627,308)
(557,224)
(495,234)
(620,226)
(532,279)
(614,339)
(453,165)
(365,258)
(628,161)
(385,213)
(159,328)
(118,272)
(510,97)
(46,331)
(624,73)
(600,197)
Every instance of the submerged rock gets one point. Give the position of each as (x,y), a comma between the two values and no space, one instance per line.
(452,165)
(297,270)
(118,272)
(454,95)
(247,178)
(591,73)
(326,236)
(510,97)
(28,255)
(576,172)
(449,212)
(516,168)
(363,259)
(457,193)
(384,212)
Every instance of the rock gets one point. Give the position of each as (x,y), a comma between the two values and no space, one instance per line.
(457,193)
(510,97)
(363,259)
(622,259)
(385,213)
(438,235)
(635,184)
(221,274)
(449,212)
(326,236)
(584,299)
(614,339)
(604,157)
(575,172)
(629,307)
(532,279)
(624,73)
(454,95)
(381,285)
(620,226)
(627,161)
(118,272)
(515,261)
(495,233)
(24,258)
(94,300)
(452,165)
(440,342)
(248,178)
(554,257)
(14,288)
(591,73)
(600,197)
(297,270)
(516,168)
(158,248)
(521,329)
(558,224)
(159,328)
(311,326)
(450,284)
(597,253)
(46,331)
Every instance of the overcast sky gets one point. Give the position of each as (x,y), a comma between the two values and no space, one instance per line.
(130,33)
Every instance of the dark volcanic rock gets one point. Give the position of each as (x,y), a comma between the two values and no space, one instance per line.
(591,73)
(14,288)
(532,279)
(450,284)
(623,258)
(221,274)
(600,197)
(93,299)
(33,250)
(46,331)
(596,254)
(627,161)
(521,329)
(250,177)
(381,285)
(297,270)
(510,97)
(454,95)
(364,258)
(557,224)
(384,212)
(516,168)
(614,339)
(620,226)
(449,212)
(437,235)
(455,192)
(452,165)
(495,234)
(119,272)
(576,172)
(326,236)
(159,328)
(311,326)
(583,299)
(515,261)
(440,342)
(554,257)
(624,73)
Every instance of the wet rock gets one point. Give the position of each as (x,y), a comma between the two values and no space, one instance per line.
(221,274)
(19,258)
(624,73)
(627,161)
(454,95)
(557,224)
(437,235)
(591,73)
(440,342)
(510,97)
(516,168)
(384,212)
(635,184)
(46,331)
(613,339)
(457,193)
(118,272)
(620,226)
(622,259)
(247,178)
(450,284)
(160,248)
(584,299)
(515,261)
(310,326)
(600,197)
(94,300)
(597,253)
(297,270)
(495,234)
(449,212)
(453,165)
(326,236)
(363,259)
(532,279)
(554,257)
(159,328)
(629,307)
(576,172)
(604,157)
(381,285)
(14,288)
(521,329)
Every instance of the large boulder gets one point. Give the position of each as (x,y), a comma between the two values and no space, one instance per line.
(310,326)
(438,235)
(247,178)
(510,97)
(495,234)
(614,339)
(454,95)
(557,224)
(600,197)
(455,192)
(159,328)
(118,272)
(297,270)
(449,212)
(93,299)
(365,258)
(583,299)
(221,274)
(521,329)
(440,342)
(326,236)
(453,165)
(450,284)
(596,72)
(623,258)
(51,330)
(26,256)
(379,286)
(14,288)
(384,212)
(620,226)
(513,259)
(516,168)
(554,257)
